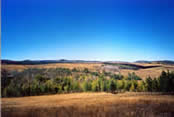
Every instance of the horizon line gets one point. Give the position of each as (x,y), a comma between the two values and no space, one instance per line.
(85,60)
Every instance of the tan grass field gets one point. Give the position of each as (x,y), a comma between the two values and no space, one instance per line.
(143,73)
(152,72)
(90,105)
(91,66)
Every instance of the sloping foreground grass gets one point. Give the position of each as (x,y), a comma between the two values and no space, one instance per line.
(90,105)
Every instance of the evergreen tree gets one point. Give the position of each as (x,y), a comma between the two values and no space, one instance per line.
(112,85)
(163,81)
(149,84)
(155,86)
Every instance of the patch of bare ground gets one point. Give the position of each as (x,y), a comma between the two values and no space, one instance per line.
(90,105)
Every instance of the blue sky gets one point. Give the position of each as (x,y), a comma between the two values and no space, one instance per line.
(123,30)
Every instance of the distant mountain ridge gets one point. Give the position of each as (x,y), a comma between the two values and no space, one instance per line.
(168,62)
(35,62)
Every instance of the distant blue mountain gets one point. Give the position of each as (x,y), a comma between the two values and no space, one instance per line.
(35,62)
(167,62)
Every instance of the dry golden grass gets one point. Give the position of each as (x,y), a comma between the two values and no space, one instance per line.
(143,73)
(91,66)
(90,105)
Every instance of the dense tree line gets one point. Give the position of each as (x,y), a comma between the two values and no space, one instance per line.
(61,80)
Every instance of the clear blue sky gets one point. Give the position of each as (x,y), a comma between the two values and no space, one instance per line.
(125,30)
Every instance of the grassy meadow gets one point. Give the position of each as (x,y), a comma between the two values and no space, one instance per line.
(143,73)
(90,105)
(87,90)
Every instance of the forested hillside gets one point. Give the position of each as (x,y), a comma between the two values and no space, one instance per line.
(35,81)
